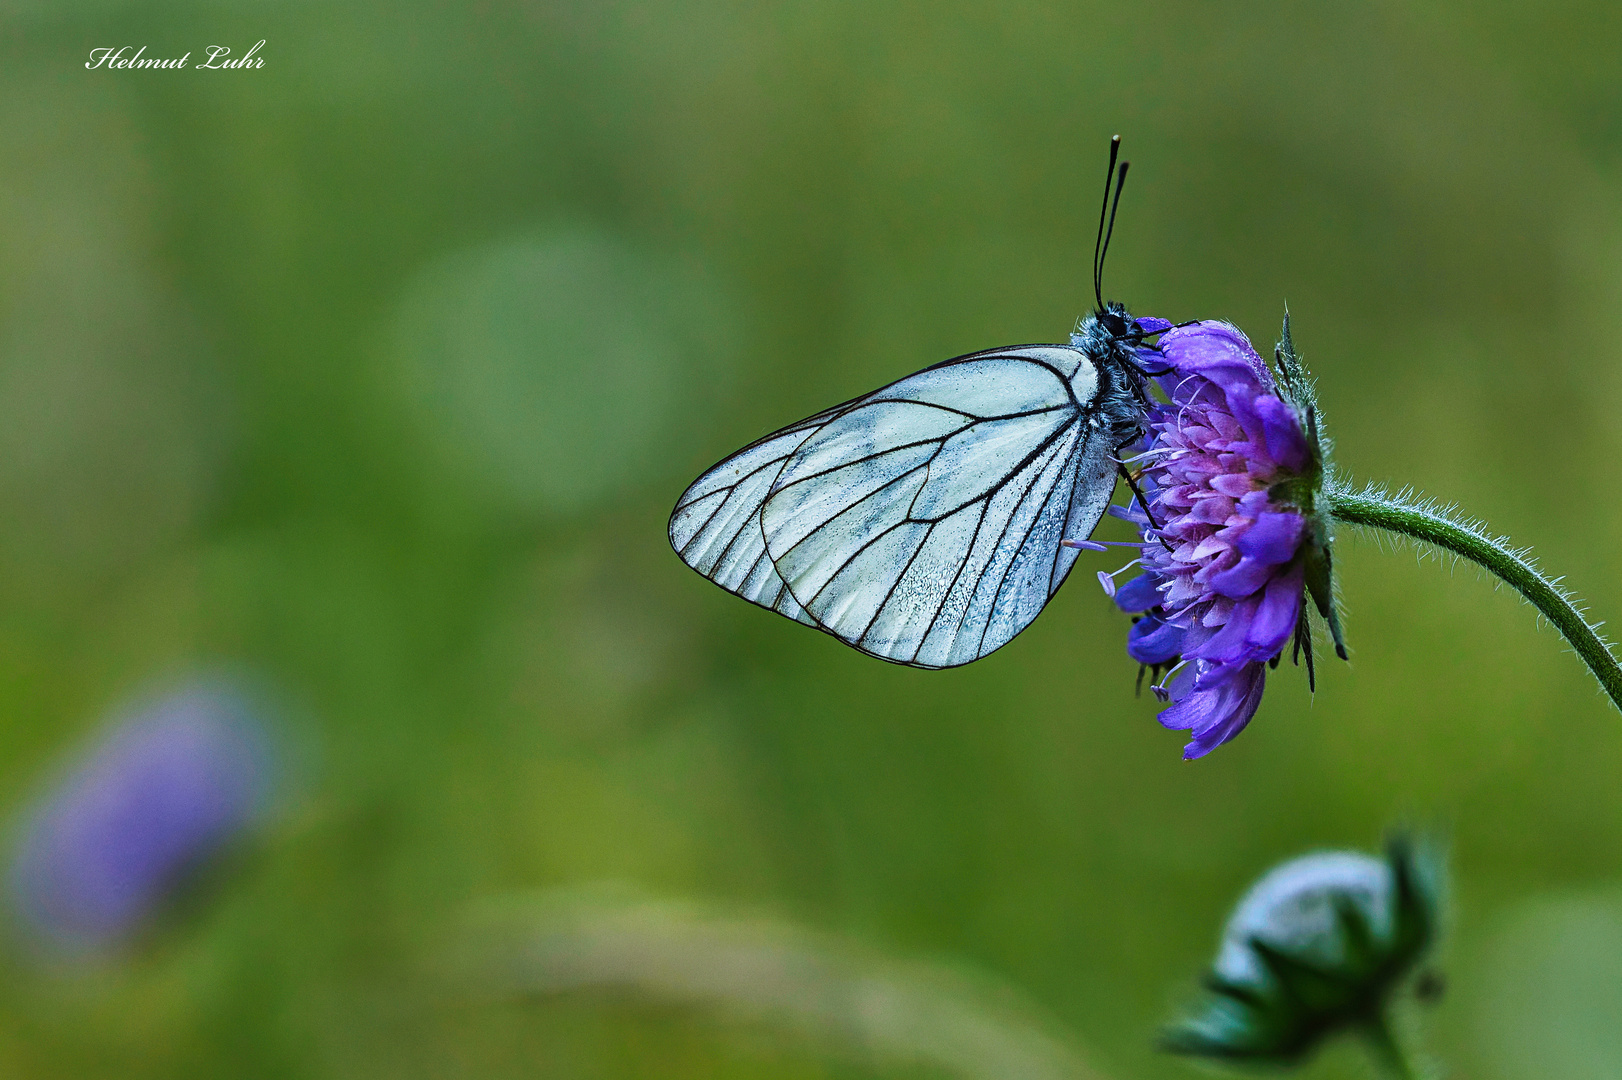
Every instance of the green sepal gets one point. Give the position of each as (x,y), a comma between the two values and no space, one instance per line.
(1302,492)
(1294,375)
(1320,580)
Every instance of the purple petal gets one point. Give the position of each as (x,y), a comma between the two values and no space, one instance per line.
(1217,611)
(1231,644)
(1286,443)
(1255,504)
(1213,510)
(1223,713)
(1222,562)
(1219,352)
(1184,590)
(1152,325)
(1270,543)
(1242,579)
(1274,538)
(1139,594)
(1190,708)
(1152,641)
(1277,614)
(1233,485)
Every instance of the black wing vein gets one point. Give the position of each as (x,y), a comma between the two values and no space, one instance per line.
(1036,519)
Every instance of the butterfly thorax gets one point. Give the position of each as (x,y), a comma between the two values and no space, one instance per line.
(1114,342)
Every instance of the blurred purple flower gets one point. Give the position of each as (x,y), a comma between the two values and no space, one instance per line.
(166,788)
(1231,465)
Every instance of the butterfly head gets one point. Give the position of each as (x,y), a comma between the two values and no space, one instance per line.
(1114,320)
(1110,332)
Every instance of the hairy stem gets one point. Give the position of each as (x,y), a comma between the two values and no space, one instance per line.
(1380,511)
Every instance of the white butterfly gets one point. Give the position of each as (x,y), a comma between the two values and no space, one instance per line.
(922,523)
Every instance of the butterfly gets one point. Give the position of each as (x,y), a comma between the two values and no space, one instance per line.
(930,521)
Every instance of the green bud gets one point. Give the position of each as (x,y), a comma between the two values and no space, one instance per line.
(1318,945)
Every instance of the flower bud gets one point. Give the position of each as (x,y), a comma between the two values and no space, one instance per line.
(1318,945)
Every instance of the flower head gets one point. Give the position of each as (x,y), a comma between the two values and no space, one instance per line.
(1317,945)
(1231,466)
(166,788)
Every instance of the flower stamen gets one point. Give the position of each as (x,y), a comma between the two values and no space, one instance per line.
(1107,579)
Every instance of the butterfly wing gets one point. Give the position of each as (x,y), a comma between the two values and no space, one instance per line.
(920,523)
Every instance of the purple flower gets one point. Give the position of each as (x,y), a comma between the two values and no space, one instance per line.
(1231,465)
(164,789)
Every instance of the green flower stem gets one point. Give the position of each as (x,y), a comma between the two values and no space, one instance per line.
(1379,511)
(1389,1060)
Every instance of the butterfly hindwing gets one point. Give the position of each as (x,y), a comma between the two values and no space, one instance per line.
(715,527)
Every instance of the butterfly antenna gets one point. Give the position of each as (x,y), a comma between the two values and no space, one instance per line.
(1103,212)
(1098,277)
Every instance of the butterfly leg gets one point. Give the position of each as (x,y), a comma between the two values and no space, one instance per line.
(1132,483)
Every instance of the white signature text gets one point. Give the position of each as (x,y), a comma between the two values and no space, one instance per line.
(217,58)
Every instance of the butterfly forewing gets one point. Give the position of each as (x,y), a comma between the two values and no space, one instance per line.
(920,523)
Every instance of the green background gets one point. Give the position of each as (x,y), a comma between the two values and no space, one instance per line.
(377,370)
